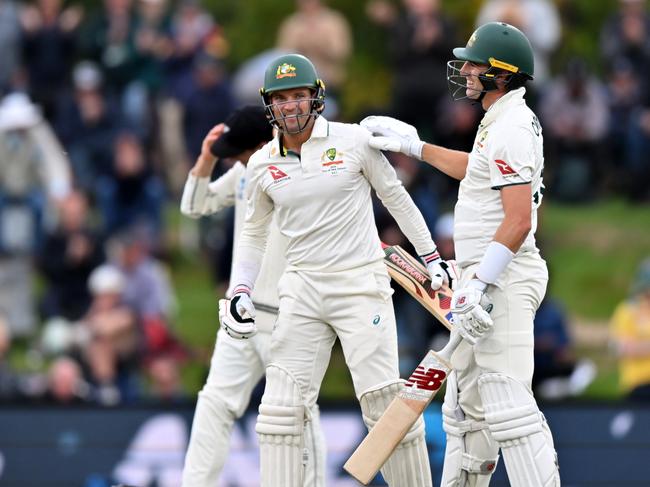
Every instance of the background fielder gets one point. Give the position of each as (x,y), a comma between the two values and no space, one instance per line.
(489,403)
(237,365)
(315,179)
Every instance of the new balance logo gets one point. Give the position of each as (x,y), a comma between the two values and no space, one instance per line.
(427,379)
(504,168)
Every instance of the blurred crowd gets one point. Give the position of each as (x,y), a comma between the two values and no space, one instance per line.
(103,111)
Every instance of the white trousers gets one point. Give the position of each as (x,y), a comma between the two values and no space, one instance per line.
(509,349)
(318,307)
(236,368)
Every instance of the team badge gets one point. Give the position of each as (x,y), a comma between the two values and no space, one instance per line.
(332,162)
(285,70)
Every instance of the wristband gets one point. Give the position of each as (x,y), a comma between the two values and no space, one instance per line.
(415,148)
(494,261)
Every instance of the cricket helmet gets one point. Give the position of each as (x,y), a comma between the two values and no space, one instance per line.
(502,47)
(292,71)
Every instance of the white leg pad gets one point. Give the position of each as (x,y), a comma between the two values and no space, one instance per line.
(471,455)
(408,466)
(209,441)
(518,427)
(279,427)
(314,449)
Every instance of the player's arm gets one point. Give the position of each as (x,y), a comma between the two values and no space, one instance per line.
(237,313)
(394,135)
(382,177)
(200,196)
(516,224)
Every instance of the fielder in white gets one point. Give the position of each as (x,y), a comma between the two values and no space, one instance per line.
(489,404)
(315,179)
(238,365)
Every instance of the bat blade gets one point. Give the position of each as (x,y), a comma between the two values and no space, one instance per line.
(398,418)
(409,273)
(424,382)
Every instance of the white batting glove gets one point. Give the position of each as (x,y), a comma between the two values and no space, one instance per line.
(470,308)
(393,135)
(237,315)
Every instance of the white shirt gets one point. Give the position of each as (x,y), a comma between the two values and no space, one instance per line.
(202,197)
(322,202)
(507,151)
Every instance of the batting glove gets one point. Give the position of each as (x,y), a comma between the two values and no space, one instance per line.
(470,309)
(237,315)
(393,135)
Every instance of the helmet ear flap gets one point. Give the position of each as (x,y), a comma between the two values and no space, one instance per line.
(319,103)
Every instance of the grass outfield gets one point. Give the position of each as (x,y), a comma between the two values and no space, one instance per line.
(592,251)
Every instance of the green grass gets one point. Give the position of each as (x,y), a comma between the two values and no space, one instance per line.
(593,252)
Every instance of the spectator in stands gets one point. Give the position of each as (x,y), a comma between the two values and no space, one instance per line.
(68,256)
(164,375)
(208,100)
(110,350)
(538,19)
(10,45)
(443,235)
(147,289)
(420,43)
(630,328)
(65,383)
(575,118)
(33,172)
(558,373)
(87,122)
(626,35)
(132,193)
(49,46)
(324,36)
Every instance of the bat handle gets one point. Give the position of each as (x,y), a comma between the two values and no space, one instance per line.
(448,350)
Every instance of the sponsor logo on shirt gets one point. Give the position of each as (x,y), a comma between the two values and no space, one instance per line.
(504,168)
(278,174)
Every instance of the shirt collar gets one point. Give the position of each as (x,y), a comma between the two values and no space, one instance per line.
(510,99)
(319,131)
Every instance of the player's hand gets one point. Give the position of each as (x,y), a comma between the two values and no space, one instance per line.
(442,272)
(209,140)
(470,307)
(393,135)
(237,316)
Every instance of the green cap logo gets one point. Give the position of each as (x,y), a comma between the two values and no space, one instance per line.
(331,153)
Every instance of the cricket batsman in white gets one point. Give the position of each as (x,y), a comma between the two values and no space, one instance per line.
(489,404)
(238,365)
(315,179)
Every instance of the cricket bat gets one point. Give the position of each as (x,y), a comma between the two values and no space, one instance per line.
(425,381)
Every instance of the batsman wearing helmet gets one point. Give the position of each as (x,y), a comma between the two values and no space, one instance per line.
(489,404)
(237,365)
(315,179)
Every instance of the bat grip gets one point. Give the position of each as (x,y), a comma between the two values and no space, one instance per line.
(448,350)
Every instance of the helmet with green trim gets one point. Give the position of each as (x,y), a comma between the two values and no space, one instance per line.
(501,47)
(288,72)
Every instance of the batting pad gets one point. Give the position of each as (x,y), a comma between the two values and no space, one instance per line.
(280,426)
(409,464)
(520,429)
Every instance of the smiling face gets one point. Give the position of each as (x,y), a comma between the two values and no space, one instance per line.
(473,85)
(292,108)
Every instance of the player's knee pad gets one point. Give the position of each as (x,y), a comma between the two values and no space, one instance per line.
(409,463)
(470,454)
(520,429)
(314,449)
(280,425)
